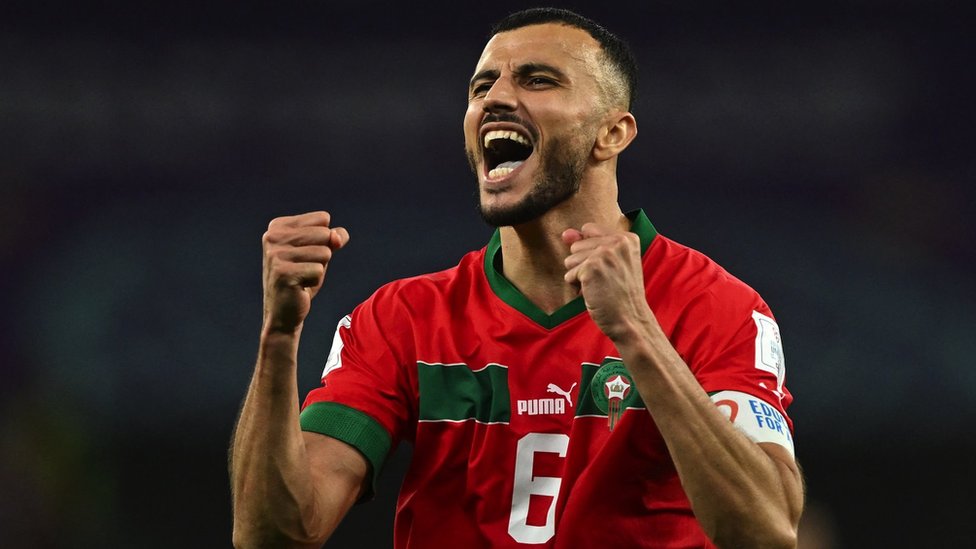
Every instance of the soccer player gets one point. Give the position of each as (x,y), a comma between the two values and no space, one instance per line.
(582,381)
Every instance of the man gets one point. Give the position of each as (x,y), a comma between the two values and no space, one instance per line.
(556,384)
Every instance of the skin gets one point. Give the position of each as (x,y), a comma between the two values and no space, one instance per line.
(291,489)
(561,105)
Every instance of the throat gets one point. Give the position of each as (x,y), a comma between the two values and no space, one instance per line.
(548,300)
(548,293)
(539,281)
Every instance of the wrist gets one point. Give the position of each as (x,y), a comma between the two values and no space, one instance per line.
(274,323)
(645,349)
(635,330)
(278,343)
(280,331)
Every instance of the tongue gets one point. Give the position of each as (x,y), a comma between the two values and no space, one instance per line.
(511,165)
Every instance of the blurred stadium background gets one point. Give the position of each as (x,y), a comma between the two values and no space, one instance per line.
(821,152)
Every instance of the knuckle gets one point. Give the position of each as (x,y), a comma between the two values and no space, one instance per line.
(277,256)
(277,222)
(280,280)
(278,264)
(275,234)
(315,273)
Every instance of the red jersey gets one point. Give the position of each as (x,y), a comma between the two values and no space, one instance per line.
(512,447)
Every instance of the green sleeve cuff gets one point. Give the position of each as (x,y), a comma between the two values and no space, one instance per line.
(353,427)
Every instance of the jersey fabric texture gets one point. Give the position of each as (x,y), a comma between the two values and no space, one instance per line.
(509,449)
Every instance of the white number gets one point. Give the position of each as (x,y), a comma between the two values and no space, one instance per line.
(526,485)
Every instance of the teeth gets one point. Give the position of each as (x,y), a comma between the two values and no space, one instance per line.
(505,134)
(499,172)
(503,169)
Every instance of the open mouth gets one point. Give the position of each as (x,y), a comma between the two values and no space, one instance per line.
(505,150)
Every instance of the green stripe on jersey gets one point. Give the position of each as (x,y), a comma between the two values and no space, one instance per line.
(455,392)
(352,427)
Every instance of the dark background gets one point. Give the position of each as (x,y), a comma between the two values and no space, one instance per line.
(823,153)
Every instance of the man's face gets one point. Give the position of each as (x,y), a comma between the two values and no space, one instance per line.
(533,111)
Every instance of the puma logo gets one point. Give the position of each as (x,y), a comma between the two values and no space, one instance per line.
(553,388)
(546,406)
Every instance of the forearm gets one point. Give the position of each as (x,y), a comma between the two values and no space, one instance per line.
(274,497)
(740,495)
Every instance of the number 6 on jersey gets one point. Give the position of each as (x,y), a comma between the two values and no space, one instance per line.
(526,485)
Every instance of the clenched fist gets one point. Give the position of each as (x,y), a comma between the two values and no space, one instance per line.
(606,265)
(297,251)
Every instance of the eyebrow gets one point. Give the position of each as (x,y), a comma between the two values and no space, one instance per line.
(487,74)
(521,70)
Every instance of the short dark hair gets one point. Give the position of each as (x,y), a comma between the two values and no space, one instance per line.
(617,52)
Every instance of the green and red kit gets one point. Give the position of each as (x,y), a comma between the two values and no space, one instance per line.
(525,426)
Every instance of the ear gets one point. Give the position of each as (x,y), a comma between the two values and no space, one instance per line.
(619,130)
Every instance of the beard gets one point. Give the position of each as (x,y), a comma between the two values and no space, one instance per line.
(561,168)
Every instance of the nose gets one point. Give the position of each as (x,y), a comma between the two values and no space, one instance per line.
(501,96)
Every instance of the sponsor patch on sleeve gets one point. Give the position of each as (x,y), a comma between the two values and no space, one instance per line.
(769,350)
(769,347)
(755,418)
(334,361)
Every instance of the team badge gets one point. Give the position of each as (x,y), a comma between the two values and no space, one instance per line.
(613,391)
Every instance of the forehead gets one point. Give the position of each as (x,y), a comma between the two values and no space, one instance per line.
(558,45)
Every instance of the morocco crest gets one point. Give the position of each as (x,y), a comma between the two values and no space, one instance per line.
(613,390)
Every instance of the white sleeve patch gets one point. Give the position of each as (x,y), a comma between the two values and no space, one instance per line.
(334,361)
(769,350)
(756,419)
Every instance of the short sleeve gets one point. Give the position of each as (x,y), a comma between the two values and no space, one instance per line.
(731,342)
(364,399)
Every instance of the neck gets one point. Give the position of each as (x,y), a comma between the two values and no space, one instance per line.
(533,253)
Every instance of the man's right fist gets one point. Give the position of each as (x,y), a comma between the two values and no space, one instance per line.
(297,251)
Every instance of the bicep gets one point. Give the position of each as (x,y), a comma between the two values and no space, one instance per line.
(339,472)
(790,476)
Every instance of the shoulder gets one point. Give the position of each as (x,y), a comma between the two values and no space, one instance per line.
(721,327)
(395,313)
(416,291)
(684,270)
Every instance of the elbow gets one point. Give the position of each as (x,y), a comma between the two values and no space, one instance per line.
(243,537)
(248,534)
(240,538)
(785,538)
(760,525)
(259,524)
(757,537)
(753,527)
(246,540)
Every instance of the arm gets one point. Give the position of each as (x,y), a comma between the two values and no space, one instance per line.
(744,494)
(290,489)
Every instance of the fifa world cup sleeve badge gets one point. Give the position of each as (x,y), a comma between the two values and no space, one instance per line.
(613,391)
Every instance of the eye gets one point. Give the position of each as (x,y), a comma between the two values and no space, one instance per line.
(539,82)
(479,89)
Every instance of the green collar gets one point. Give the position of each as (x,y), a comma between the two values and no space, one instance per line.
(507,292)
